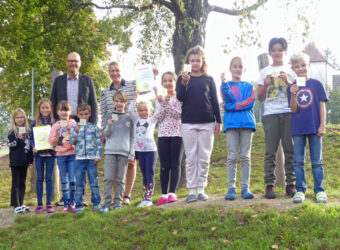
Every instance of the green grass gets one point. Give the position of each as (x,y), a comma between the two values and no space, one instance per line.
(311,226)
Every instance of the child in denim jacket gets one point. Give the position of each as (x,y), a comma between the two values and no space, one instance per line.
(88,148)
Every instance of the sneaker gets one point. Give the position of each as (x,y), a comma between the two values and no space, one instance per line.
(18,210)
(60,203)
(161,201)
(202,197)
(96,208)
(73,208)
(270,193)
(65,209)
(39,209)
(231,195)
(49,208)
(148,204)
(25,209)
(246,194)
(79,210)
(191,198)
(117,207)
(104,209)
(172,198)
(85,204)
(126,200)
(290,190)
(321,197)
(142,203)
(299,197)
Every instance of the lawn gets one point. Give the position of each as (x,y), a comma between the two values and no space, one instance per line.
(310,226)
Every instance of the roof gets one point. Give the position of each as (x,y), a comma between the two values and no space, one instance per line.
(314,54)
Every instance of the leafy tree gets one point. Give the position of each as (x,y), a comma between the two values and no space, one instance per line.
(4,122)
(39,35)
(333,107)
(178,25)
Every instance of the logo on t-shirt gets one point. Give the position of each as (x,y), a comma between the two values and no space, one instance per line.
(304,98)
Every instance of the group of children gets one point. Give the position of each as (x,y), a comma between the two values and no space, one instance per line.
(187,116)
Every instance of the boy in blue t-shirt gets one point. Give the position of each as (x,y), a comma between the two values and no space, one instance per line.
(306,98)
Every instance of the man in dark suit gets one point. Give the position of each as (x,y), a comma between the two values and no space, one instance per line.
(74,88)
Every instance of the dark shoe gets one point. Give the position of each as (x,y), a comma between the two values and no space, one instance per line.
(60,203)
(290,190)
(202,197)
(270,193)
(246,194)
(191,198)
(231,195)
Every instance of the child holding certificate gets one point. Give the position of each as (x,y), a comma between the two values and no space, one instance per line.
(45,157)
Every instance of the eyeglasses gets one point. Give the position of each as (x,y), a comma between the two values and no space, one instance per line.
(73,61)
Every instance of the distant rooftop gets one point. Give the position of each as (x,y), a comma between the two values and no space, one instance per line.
(314,54)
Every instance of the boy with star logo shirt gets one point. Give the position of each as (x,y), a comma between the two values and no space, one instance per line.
(306,98)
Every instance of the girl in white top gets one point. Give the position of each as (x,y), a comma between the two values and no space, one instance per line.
(145,146)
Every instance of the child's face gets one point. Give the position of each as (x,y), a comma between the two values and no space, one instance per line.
(84,114)
(143,111)
(119,104)
(45,109)
(114,73)
(64,114)
(19,120)
(236,69)
(168,83)
(196,62)
(300,68)
(277,53)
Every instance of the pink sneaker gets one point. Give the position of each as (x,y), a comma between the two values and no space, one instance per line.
(65,209)
(161,201)
(39,209)
(49,208)
(73,208)
(172,198)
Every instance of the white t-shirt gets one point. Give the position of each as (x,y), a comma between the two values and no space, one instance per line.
(276,97)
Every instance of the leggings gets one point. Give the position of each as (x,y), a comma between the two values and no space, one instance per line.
(170,150)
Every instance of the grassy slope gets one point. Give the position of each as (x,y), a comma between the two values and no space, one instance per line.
(311,225)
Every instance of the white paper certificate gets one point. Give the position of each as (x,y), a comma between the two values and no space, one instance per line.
(82,122)
(114,117)
(41,134)
(144,78)
(187,68)
(22,130)
(301,81)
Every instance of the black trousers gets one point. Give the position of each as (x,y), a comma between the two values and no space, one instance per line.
(170,151)
(18,185)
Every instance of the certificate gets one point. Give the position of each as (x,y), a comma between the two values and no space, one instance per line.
(41,134)
(301,81)
(144,79)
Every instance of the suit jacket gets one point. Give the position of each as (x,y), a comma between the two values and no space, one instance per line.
(86,94)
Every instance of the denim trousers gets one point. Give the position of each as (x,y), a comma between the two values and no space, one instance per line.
(40,163)
(81,167)
(67,179)
(315,150)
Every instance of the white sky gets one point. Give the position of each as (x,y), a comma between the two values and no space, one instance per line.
(273,22)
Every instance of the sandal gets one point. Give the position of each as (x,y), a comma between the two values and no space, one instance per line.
(126,200)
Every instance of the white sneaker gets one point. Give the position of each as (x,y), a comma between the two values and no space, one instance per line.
(148,204)
(142,203)
(18,210)
(25,209)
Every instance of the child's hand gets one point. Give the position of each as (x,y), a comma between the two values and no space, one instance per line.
(160,98)
(294,89)
(223,79)
(185,78)
(20,136)
(155,72)
(167,98)
(267,80)
(283,77)
(77,128)
(131,162)
(136,96)
(110,122)
(35,150)
(96,161)
(217,128)
(321,130)
(57,128)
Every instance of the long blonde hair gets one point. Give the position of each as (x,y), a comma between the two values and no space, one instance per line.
(38,115)
(13,126)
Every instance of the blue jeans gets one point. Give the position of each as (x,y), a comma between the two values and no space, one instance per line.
(67,179)
(81,166)
(147,164)
(315,150)
(40,162)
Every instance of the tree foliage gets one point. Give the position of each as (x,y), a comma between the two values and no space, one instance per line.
(333,107)
(40,34)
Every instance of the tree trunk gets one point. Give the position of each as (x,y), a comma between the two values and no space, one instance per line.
(189,31)
(55,177)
